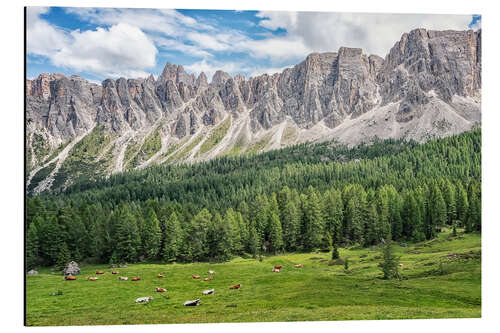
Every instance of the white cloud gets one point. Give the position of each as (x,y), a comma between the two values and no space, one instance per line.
(233,68)
(209,68)
(266,70)
(120,50)
(277,49)
(169,44)
(374,33)
(43,38)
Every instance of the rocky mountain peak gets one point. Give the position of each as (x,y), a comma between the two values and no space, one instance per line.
(428,85)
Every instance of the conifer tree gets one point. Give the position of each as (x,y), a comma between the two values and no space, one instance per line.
(197,234)
(335,251)
(125,235)
(50,240)
(390,262)
(313,221)
(462,203)
(172,236)
(275,234)
(290,223)
(151,234)
(64,257)
(31,247)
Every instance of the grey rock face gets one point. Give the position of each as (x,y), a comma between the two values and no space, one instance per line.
(71,269)
(428,77)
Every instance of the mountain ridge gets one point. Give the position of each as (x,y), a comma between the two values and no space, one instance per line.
(428,85)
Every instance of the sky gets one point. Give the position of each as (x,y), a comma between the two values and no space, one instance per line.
(100,43)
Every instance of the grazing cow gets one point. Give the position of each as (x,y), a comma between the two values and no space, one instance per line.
(160,290)
(400,265)
(92,278)
(122,278)
(159,275)
(114,272)
(193,302)
(144,299)
(70,277)
(208,278)
(298,266)
(236,286)
(275,270)
(195,276)
(99,272)
(136,278)
(277,267)
(211,272)
(208,292)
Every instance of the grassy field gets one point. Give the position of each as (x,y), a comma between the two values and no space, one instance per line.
(441,279)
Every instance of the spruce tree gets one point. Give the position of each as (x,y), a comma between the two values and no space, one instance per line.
(275,234)
(64,257)
(151,234)
(335,251)
(31,247)
(390,262)
(290,223)
(313,221)
(462,204)
(125,237)
(172,237)
(197,234)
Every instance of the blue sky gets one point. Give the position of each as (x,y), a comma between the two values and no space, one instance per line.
(98,43)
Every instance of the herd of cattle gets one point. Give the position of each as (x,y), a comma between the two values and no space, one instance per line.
(276,269)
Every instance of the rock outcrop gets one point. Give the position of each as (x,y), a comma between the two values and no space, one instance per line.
(71,269)
(428,85)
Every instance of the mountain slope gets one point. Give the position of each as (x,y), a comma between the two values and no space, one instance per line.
(429,85)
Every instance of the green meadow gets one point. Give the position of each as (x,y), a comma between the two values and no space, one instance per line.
(441,278)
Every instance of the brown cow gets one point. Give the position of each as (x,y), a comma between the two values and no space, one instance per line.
(115,272)
(159,275)
(208,278)
(70,277)
(298,266)
(195,276)
(92,278)
(136,278)
(160,290)
(99,272)
(277,267)
(236,286)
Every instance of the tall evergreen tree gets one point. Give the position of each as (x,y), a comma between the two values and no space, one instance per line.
(151,234)
(313,221)
(275,234)
(32,247)
(172,237)
(64,257)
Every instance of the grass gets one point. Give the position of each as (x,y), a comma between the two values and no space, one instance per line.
(238,147)
(259,145)
(41,175)
(186,151)
(81,159)
(151,145)
(289,134)
(215,136)
(315,292)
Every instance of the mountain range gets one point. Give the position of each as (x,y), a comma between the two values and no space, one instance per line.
(427,86)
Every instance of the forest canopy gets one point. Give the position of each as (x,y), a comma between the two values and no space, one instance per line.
(300,198)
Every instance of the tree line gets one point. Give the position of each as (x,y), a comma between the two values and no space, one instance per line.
(402,192)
